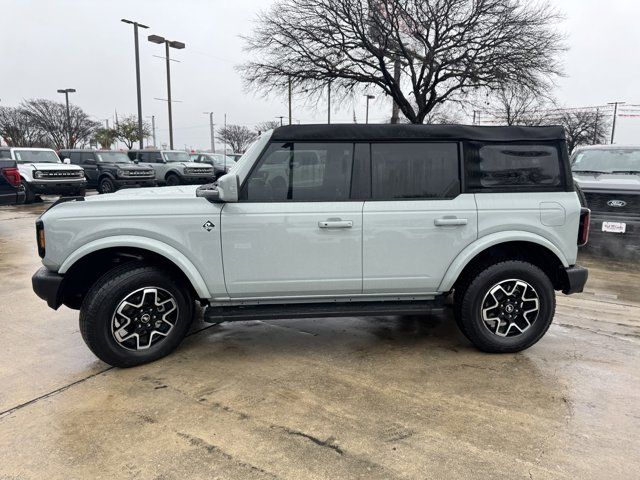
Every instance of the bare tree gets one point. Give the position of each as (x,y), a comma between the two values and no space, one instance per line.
(422,53)
(127,130)
(265,126)
(583,127)
(238,137)
(17,129)
(518,105)
(51,119)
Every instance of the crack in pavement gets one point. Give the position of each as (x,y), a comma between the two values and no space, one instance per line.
(9,411)
(328,443)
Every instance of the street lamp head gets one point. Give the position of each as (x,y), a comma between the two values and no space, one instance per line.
(156,39)
(130,22)
(67,90)
(371,97)
(177,45)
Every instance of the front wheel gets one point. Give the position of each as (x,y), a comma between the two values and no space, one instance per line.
(106,186)
(135,314)
(506,307)
(173,180)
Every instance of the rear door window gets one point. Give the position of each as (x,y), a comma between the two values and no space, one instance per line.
(414,171)
(510,167)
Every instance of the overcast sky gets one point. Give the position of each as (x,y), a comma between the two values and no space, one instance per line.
(52,44)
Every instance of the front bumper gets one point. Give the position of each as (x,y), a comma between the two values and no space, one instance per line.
(48,286)
(135,182)
(57,188)
(197,179)
(575,279)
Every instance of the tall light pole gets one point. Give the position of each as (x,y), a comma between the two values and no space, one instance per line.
(212,131)
(329,102)
(153,129)
(280,117)
(137,25)
(66,92)
(369,97)
(178,46)
(290,95)
(615,117)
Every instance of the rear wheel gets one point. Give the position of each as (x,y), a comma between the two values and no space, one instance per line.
(173,180)
(106,185)
(506,307)
(135,314)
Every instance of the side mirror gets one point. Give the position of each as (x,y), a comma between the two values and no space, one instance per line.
(226,191)
(229,188)
(66,161)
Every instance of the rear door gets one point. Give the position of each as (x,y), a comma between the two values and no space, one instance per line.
(90,165)
(296,230)
(417,221)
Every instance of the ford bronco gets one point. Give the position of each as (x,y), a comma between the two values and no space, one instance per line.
(329,220)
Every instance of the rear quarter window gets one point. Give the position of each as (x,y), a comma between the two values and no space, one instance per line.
(513,167)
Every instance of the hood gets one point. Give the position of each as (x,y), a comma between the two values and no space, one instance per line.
(190,164)
(607,181)
(51,166)
(127,166)
(154,193)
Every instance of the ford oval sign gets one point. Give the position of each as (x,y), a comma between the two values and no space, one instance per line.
(617,203)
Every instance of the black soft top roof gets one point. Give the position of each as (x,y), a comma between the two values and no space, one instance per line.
(377,132)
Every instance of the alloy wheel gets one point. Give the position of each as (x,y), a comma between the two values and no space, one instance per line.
(510,307)
(144,318)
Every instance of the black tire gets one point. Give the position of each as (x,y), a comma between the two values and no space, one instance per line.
(98,309)
(106,185)
(29,194)
(80,193)
(172,180)
(470,295)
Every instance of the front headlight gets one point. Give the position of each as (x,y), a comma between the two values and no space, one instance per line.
(37,174)
(121,173)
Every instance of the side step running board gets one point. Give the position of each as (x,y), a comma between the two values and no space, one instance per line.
(219,314)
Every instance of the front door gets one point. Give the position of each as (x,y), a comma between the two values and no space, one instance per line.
(88,163)
(417,221)
(295,231)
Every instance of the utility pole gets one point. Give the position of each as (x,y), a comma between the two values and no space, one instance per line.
(137,25)
(329,102)
(212,131)
(66,92)
(290,116)
(369,97)
(395,109)
(153,129)
(179,46)
(615,117)
(595,127)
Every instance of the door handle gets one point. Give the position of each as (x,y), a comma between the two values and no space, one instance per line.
(450,222)
(337,223)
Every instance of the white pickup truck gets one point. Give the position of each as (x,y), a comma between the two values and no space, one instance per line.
(43,173)
(329,220)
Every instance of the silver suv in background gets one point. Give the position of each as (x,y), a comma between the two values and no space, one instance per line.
(43,173)
(329,220)
(174,167)
(221,163)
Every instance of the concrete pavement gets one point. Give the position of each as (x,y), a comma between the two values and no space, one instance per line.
(322,398)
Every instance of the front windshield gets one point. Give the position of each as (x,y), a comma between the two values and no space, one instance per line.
(36,156)
(176,156)
(112,157)
(607,160)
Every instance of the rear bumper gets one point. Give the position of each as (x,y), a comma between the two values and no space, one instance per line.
(576,279)
(48,286)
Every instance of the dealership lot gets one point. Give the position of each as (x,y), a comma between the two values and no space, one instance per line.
(321,398)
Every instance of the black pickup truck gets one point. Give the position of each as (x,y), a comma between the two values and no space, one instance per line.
(609,177)
(11,189)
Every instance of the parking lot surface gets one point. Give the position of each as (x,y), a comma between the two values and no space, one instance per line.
(392,397)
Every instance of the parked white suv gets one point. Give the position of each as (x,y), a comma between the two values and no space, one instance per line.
(42,172)
(174,167)
(329,220)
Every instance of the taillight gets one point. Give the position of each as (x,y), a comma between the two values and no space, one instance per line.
(12,174)
(583,231)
